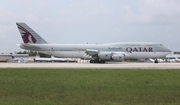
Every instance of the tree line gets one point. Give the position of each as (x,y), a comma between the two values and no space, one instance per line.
(32,53)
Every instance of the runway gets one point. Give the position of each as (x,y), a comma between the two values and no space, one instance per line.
(121,65)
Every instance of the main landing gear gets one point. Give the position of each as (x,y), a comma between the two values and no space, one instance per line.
(156,61)
(97,61)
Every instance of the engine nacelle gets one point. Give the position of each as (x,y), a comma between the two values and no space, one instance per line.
(106,56)
(118,57)
(109,56)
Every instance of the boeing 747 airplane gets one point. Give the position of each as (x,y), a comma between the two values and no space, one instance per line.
(97,53)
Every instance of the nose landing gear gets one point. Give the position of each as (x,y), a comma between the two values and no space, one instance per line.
(156,61)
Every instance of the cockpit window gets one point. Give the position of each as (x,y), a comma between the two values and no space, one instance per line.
(161,45)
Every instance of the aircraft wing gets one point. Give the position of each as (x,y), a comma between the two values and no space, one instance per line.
(91,52)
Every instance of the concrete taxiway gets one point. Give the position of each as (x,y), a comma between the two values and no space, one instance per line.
(121,65)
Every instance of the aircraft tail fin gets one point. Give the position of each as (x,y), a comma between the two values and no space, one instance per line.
(28,35)
(177,59)
(12,56)
(52,56)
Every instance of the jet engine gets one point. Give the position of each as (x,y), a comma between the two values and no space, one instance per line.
(106,56)
(118,57)
(109,56)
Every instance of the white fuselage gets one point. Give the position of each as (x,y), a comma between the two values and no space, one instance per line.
(134,50)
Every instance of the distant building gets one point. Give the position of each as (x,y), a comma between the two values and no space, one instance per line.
(176,52)
(5,57)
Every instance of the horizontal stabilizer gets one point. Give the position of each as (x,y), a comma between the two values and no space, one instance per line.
(29,46)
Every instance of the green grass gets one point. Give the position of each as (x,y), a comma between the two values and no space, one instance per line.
(89,87)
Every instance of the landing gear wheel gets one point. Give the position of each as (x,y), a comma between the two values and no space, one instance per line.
(156,61)
(91,61)
(101,62)
(96,61)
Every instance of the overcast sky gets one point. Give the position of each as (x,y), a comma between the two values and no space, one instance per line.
(91,21)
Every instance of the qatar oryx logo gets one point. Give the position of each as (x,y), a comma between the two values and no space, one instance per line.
(26,35)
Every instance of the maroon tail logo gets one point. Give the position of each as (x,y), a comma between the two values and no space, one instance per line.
(26,35)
